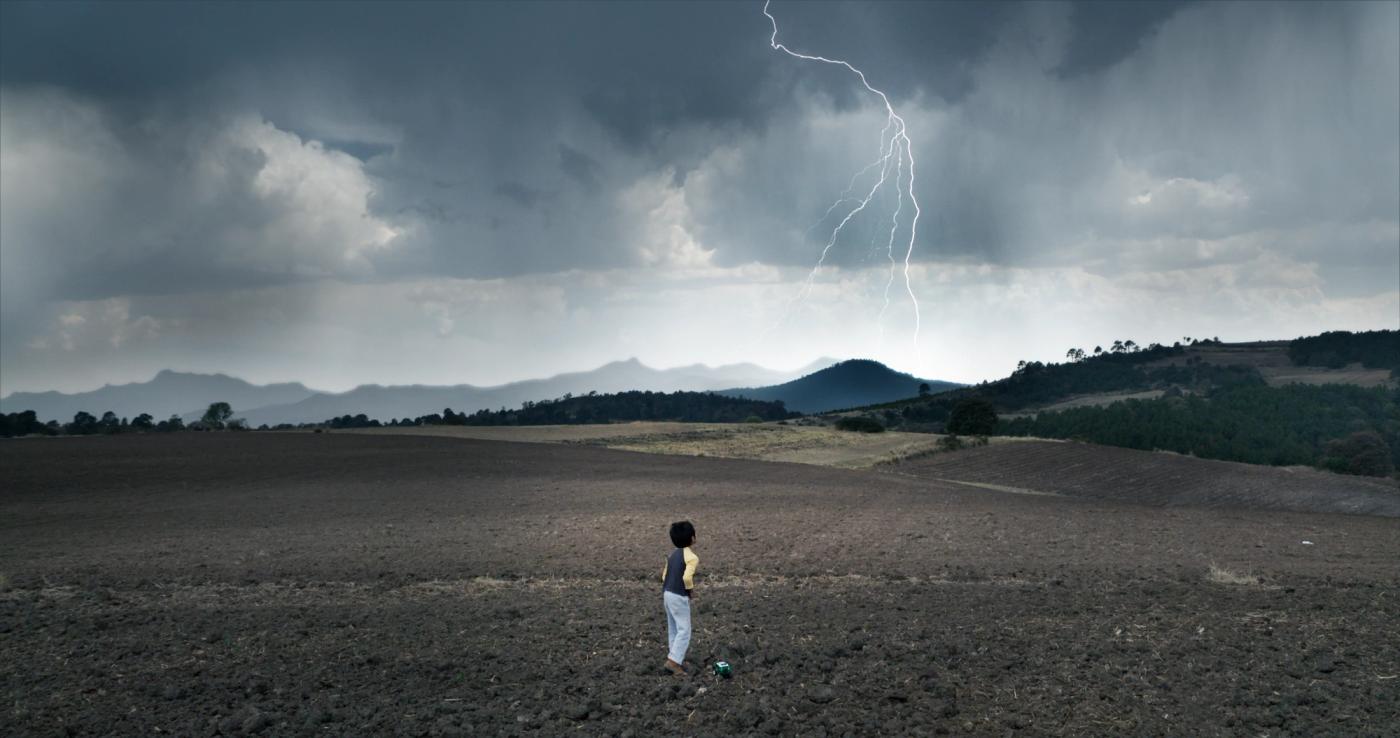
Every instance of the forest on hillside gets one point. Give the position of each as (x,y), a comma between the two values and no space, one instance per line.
(1336,349)
(1339,427)
(1210,410)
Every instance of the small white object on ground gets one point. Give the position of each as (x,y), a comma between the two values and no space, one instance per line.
(1307,543)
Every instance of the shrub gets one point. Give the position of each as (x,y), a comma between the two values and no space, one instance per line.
(860,424)
(972,417)
(1363,452)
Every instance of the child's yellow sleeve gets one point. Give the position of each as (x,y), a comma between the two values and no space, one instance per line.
(692,562)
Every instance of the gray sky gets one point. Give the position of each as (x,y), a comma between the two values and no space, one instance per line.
(441,193)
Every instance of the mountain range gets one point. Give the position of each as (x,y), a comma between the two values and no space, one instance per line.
(386,403)
(168,393)
(188,394)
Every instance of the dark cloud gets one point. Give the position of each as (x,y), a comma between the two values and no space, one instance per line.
(1106,32)
(193,148)
(454,108)
(582,167)
(522,195)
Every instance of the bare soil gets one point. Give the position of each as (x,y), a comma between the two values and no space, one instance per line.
(555,433)
(343,584)
(1157,478)
(802,444)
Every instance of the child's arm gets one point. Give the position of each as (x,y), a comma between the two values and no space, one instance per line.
(692,562)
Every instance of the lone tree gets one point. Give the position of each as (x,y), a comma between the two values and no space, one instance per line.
(924,389)
(972,417)
(217,414)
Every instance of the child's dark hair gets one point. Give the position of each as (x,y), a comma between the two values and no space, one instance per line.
(682,533)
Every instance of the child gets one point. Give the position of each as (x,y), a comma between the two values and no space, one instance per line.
(678,579)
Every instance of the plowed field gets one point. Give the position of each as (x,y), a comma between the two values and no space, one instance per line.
(1107,473)
(269,584)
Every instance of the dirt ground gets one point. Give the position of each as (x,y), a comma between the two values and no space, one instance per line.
(801,444)
(556,433)
(1157,478)
(343,584)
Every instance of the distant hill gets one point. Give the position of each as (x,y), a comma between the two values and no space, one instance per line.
(168,393)
(1132,372)
(393,402)
(850,383)
(187,394)
(1331,401)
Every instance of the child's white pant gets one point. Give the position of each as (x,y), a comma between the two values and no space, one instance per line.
(677,625)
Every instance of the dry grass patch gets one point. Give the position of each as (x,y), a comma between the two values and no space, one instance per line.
(1221,575)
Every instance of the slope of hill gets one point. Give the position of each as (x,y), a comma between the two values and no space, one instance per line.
(1107,473)
(168,393)
(848,384)
(1260,402)
(1255,423)
(1282,363)
(1361,359)
(388,403)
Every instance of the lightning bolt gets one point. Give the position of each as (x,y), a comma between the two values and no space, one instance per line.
(895,151)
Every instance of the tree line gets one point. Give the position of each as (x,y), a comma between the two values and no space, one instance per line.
(594,408)
(688,407)
(27,423)
(1336,349)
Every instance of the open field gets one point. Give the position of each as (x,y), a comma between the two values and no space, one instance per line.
(802,444)
(1271,359)
(605,432)
(1157,478)
(1007,464)
(347,584)
(1095,400)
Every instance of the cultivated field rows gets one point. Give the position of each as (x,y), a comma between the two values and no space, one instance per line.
(337,584)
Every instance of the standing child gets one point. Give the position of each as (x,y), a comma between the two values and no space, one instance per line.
(678,579)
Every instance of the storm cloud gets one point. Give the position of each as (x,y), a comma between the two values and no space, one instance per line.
(260,188)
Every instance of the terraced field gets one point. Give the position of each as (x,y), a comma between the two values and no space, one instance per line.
(1271,359)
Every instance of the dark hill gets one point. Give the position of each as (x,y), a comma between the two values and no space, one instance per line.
(850,383)
(1330,401)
